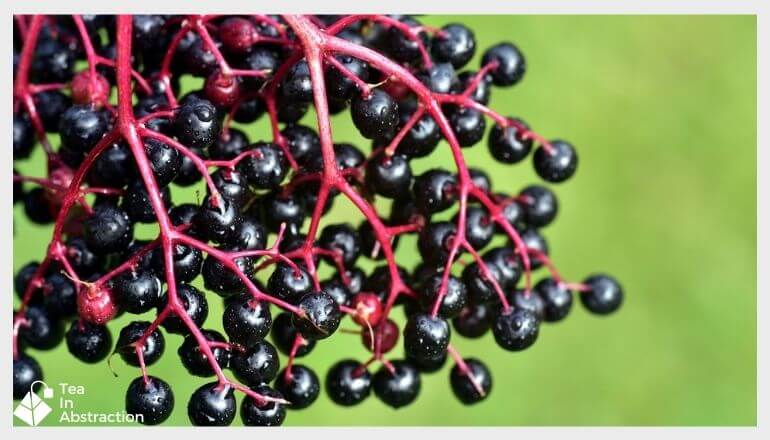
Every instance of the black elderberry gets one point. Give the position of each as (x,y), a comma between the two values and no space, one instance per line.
(284,335)
(604,294)
(221,279)
(108,230)
(212,404)
(151,398)
(507,145)
(89,342)
(435,241)
(439,78)
(289,283)
(255,364)
(434,191)
(301,387)
(195,306)
(196,123)
(42,329)
(195,361)
(557,299)
(26,371)
(216,220)
(303,142)
(556,164)
(265,167)
(468,126)
(342,239)
(399,388)
(515,330)
(474,384)
(81,127)
(268,414)
(375,115)
(321,316)
(389,176)
(165,161)
(246,320)
(296,85)
(479,227)
(60,298)
(426,337)
(136,202)
(511,64)
(129,336)
(454,299)
(473,321)
(339,86)
(23,136)
(455,44)
(348,383)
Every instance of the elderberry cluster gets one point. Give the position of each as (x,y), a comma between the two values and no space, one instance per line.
(127,137)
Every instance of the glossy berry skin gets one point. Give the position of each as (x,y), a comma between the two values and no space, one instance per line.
(108,230)
(270,414)
(343,239)
(465,386)
(188,262)
(195,305)
(23,137)
(246,320)
(51,105)
(511,64)
(90,343)
(301,387)
(284,334)
(507,145)
(439,78)
(534,240)
(559,164)
(43,330)
(221,279)
(195,361)
(456,45)
(26,371)
(434,191)
(303,142)
(216,221)
(137,291)
(468,126)
(248,234)
(540,205)
(557,299)
(289,284)
(426,337)
(296,85)
(605,295)
(376,115)
(397,389)
(348,383)
(479,227)
(61,296)
(473,321)
(533,302)
(401,47)
(212,405)
(81,127)
(136,202)
(337,289)
(434,242)
(255,365)
(389,177)
(232,185)
(114,167)
(53,62)
(83,260)
(237,34)
(266,167)
(153,347)
(153,399)
(165,161)
(516,330)
(282,208)
(507,264)
(228,146)
(455,295)
(37,207)
(322,316)
(196,123)
(339,86)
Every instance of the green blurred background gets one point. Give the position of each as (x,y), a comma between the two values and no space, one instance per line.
(662,110)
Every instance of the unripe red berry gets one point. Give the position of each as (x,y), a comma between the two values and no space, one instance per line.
(96,305)
(368,309)
(386,335)
(87,89)
(237,34)
(222,90)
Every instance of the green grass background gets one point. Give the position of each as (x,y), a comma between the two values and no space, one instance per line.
(662,110)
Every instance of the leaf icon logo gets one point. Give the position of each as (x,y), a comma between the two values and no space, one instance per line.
(32,409)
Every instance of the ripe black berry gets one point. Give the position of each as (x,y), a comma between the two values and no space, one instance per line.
(152,399)
(60,295)
(152,349)
(303,142)
(212,405)
(301,387)
(51,105)
(439,78)
(23,137)
(435,241)
(232,185)
(187,262)
(540,205)
(282,208)
(348,383)
(26,371)
(246,320)
(270,414)
(222,280)
(339,86)
(194,303)
(296,85)
(288,283)
(519,299)
(196,123)
(376,115)
(266,167)
(515,330)
(557,165)
(108,230)
(472,386)
(434,191)
(468,126)
(511,63)
(228,146)
(216,221)
(114,167)
(137,291)
(341,238)
(557,299)
(322,316)
(165,161)
(284,334)
(455,44)
(455,295)
(399,388)
(256,364)
(507,145)
(43,330)
(426,337)
(473,321)
(605,294)
(401,47)
(37,207)
(81,127)
(88,342)
(136,202)
(390,176)
(479,227)
(82,259)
